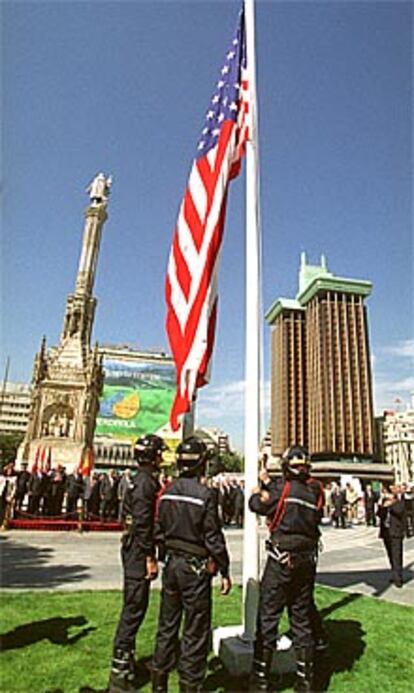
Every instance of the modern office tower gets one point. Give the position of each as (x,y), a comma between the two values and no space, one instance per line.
(321,390)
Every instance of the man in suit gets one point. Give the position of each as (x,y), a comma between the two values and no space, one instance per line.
(370,499)
(391,512)
(109,496)
(35,491)
(22,484)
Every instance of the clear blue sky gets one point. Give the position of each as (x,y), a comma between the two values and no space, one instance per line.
(123,87)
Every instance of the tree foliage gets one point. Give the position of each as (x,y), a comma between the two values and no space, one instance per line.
(9,443)
(233,462)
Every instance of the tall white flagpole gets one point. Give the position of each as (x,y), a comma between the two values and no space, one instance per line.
(253,341)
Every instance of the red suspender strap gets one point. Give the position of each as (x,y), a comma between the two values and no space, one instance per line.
(319,503)
(158,497)
(280,509)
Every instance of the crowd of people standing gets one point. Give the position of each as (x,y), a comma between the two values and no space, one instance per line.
(55,494)
(345,506)
(100,496)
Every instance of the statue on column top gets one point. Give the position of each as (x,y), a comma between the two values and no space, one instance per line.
(99,189)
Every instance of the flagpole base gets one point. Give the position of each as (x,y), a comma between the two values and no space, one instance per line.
(235,650)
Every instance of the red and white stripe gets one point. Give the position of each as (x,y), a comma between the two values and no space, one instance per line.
(192,276)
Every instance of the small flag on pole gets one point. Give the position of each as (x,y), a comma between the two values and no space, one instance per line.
(90,463)
(48,463)
(86,463)
(191,283)
(35,465)
(42,459)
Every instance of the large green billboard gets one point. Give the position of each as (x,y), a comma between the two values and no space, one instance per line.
(136,398)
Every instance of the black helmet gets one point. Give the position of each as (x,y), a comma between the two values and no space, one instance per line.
(192,453)
(294,459)
(296,455)
(148,449)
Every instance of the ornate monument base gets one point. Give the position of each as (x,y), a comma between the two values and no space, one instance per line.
(65,453)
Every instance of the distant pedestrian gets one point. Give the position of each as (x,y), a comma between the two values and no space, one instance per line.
(351,497)
(74,491)
(57,492)
(93,500)
(339,506)
(328,508)
(124,484)
(109,496)
(408,491)
(35,492)
(391,512)
(370,502)
(22,485)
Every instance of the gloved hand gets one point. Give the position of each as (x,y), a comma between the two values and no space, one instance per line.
(226,585)
(152,568)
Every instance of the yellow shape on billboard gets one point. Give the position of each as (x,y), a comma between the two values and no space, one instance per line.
(128,407)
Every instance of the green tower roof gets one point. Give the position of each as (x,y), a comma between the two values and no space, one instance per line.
(312,280)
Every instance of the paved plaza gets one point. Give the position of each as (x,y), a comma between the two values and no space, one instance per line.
(352,559)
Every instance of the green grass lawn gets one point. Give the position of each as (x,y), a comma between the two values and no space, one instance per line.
(61,642)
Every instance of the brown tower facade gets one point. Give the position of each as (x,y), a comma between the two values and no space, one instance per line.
(288,384)
(321,392)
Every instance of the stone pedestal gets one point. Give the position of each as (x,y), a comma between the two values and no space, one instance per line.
(66,453)
(236,652)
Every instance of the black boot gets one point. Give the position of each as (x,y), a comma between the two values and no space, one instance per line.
(122,678)
(304,669)
(159,681)
(262,661)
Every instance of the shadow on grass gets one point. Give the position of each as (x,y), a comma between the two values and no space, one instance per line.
(56,630)
(346,646)
(28,567)
(379,580)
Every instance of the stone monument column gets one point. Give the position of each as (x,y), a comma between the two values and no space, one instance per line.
(68,379)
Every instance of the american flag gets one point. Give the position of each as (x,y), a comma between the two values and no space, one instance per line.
(191,283)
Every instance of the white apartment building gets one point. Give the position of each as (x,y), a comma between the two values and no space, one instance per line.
(14,407)
(398,440)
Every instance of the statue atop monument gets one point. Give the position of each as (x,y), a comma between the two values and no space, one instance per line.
(99,189)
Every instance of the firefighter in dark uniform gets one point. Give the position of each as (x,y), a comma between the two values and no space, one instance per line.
(138,559)
(192,546)
(293,506)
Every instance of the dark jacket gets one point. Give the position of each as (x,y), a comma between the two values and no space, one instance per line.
(22,483)
(238,500)
(109,489)
(74,486)
(139,510)
(300,512)
(36,484)
(392,519)
(188,521)
(338,501)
